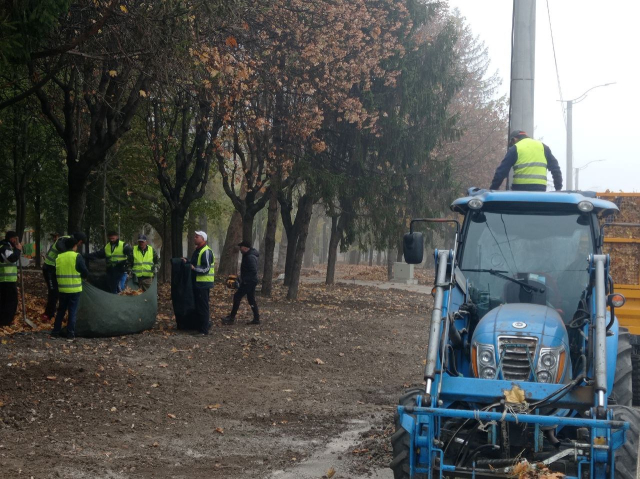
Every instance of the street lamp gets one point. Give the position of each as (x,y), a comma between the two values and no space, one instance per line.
(570,132)
(577,171)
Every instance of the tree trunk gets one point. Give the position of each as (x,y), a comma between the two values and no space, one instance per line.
(269,245)
(292,241)
(389,265)
(165,260)
(38,228)
(334,240)
(191,235)
(229,255)
(77,201)
(379,258)
(303,219)
(177,228)
(353,256)
(325,243)
(282,250)
(247,227)
(311,239)
(370,255)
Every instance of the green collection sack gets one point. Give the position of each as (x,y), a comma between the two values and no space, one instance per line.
(102,314)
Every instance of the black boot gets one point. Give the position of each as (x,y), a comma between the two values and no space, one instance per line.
(228,320)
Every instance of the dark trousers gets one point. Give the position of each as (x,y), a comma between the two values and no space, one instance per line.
(68,302)
(248,289)
(115,277)
(8,302)
(49,273)
(201,303)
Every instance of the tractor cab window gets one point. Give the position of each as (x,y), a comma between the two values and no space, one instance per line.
(541,258)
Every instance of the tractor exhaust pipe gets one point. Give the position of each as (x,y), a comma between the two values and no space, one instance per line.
(436,321)
(600,356)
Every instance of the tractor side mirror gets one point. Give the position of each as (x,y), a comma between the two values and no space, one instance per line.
(413,247)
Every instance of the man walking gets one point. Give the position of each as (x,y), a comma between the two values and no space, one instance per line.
(202,266)
(49,273)
(530,160)
(70,271)
(248,283)
(10,250)
(116,253)
(145,263)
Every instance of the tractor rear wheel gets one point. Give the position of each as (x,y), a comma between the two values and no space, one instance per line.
(622,393)
(626,456)
(635,360)
(401,440)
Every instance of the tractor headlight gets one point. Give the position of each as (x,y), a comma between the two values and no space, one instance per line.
(585,206)
(483,361)
(550,367)
(475,203)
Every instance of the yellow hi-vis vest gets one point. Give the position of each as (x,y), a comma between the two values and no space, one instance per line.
(206,278)
(69,279)
(9,272)
(531,166)
(53,252)
(142,262)
(117,255)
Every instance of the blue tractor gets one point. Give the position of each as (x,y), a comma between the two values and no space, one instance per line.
(527,369)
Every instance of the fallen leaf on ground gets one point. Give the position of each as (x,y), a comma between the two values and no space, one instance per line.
(214,406)
(318,361)
(172,416)
(51,378)
(220,430)
(330,473)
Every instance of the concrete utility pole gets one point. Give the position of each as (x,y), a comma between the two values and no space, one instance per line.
(523,54)
(570,134)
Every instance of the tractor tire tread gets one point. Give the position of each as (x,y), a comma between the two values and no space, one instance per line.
(401,441)
(635,379)
(626,457)
(622,393)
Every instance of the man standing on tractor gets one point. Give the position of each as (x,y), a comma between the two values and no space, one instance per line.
(530,160)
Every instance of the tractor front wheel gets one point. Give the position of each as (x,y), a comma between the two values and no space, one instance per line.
(626,456)
(401,440)
(622,393)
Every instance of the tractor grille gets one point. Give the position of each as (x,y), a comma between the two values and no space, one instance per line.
(515,363)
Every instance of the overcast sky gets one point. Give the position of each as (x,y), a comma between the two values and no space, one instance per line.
(596,42)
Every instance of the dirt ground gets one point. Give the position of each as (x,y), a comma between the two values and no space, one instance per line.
(308,394)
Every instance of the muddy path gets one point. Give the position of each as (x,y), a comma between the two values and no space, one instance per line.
(309,393)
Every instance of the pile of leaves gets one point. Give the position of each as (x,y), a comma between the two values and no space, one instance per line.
(130,292)
(34,306)
(526,470)
(625,257)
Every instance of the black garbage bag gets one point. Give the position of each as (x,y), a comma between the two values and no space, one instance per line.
(102,314)
(182,295)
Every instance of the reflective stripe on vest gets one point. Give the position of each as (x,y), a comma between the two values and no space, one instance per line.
(205,278)
(53,252)
(531,166)
(142,268)
(8,272)
(116,255)
(69,279)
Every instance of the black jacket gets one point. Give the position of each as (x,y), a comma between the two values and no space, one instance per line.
(510,159)
(249,266)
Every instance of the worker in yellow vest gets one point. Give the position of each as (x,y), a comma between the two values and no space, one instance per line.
(117,254)
(70,271)
(10,250)
(144,261)
(202,267)
(530,160)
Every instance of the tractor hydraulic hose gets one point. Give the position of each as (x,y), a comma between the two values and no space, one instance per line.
(478,450)
(556,395)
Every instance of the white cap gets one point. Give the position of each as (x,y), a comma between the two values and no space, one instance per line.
(203,234)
